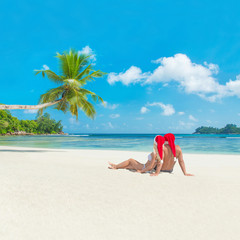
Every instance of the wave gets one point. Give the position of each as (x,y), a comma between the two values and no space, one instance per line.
(73,135)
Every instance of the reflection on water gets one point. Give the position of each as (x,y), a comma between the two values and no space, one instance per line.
(189,143)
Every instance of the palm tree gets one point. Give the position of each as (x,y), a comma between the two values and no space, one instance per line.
(75,71)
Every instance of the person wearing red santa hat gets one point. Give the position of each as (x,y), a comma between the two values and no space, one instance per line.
(133,164)
(168,153)
(170,140)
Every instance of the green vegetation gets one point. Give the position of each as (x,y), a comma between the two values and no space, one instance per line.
(42,125)
(228,129)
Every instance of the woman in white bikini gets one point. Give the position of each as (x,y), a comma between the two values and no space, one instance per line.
(133,164)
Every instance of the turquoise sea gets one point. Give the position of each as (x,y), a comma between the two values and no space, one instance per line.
(190,143)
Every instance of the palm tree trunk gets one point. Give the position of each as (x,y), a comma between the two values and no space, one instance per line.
(39,106)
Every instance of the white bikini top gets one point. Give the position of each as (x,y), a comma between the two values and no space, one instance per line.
(150,158)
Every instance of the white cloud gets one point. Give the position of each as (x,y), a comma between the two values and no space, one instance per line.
(149,90)
(31,111)
(73,121)
(114,115)
(45,67)
(234,86)
(191,77)
(181,113)
(186,125)
(110,106)
(107,125)
(192,118)
(213,67)
(88,51)
(168,109)
(144,110)
(132,75)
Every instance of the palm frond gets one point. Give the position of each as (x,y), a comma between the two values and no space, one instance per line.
(64,67)
(83,61)
(51,75)
(52,95)
(63,106)
(90,77)
(40,112)
(86,71)
(94,96)
(87,108)
(71,63)
(74,110)
(78,100)
(70,94)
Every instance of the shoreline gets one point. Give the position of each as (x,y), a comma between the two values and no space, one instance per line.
(120,150)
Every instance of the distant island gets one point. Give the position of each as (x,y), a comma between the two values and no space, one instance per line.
(10,125)
(228,129)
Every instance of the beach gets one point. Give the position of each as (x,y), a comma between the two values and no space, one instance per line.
(71,194)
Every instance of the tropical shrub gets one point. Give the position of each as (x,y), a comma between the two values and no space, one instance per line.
(42,125)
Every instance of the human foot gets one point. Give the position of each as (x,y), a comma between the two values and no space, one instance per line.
(112,166)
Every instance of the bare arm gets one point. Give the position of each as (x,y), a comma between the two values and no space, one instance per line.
(182,164)
(159,167)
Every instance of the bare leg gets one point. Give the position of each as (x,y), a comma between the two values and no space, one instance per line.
(128,164)
(123,165)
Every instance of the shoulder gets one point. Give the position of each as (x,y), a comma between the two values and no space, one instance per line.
(178,149)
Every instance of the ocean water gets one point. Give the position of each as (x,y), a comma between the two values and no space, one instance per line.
(190,143)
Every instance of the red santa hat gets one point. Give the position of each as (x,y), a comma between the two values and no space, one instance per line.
(170,138)
(159,141)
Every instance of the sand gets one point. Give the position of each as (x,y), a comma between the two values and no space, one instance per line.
(71,194)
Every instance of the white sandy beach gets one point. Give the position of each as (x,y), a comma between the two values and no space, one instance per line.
(71,194)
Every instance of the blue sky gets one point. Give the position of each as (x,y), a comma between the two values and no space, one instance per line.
(173,65)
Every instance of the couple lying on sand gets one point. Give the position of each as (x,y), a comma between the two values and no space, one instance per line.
(162,159)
